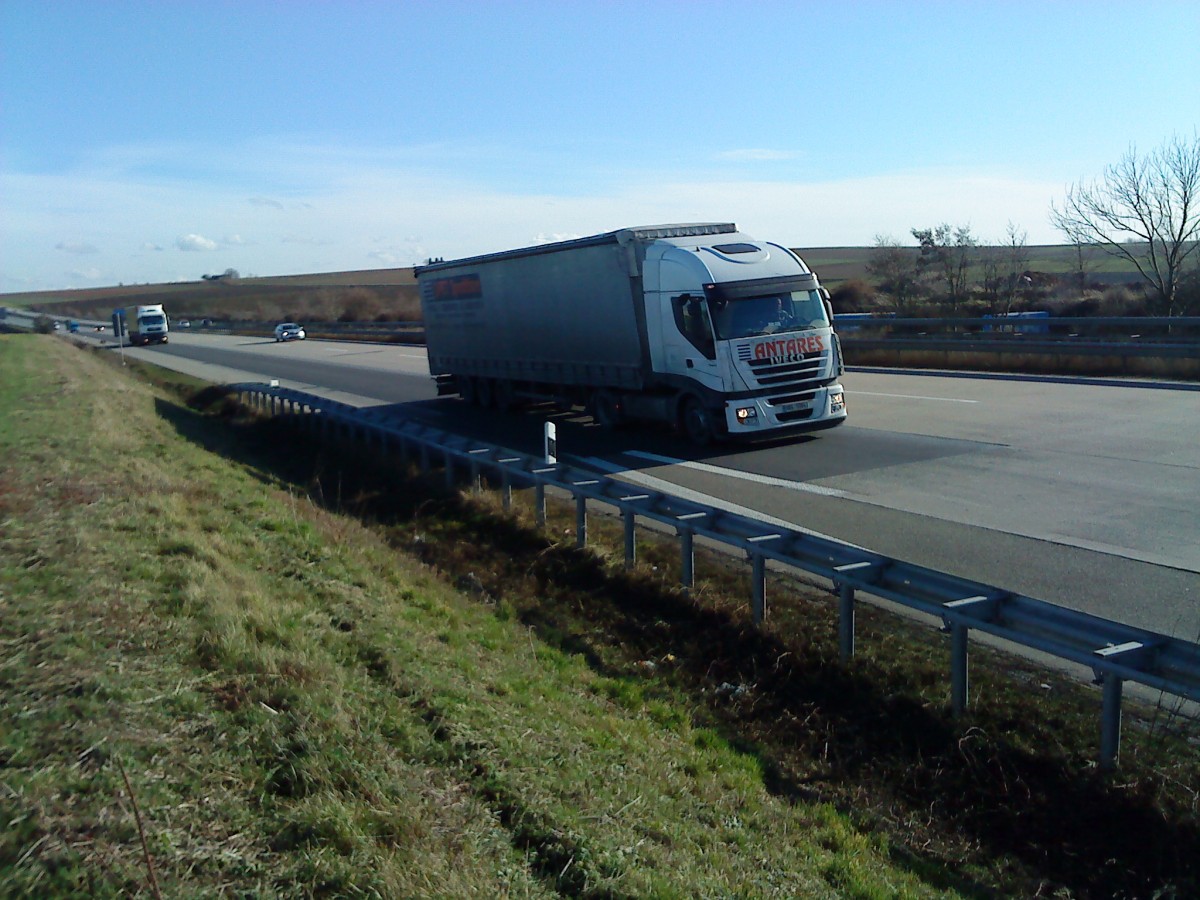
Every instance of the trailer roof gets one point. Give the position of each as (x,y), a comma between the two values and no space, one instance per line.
(621,235)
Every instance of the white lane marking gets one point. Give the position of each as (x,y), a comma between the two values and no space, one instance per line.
(669,487)
(735,473)
(337,351)
(910,397)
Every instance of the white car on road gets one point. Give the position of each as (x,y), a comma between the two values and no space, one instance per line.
(289,331)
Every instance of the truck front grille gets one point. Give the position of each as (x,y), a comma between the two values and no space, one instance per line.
(793,379)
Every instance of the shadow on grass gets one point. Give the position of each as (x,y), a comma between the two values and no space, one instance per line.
(946,791)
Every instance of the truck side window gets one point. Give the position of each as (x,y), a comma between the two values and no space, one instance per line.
(692,322)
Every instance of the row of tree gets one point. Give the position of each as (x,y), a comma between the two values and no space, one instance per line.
(1144,210)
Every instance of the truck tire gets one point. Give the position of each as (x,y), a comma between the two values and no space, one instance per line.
(606,409)
(695,422)
(504,395)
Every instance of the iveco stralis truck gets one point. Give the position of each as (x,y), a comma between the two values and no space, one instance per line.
(144,324)
(698,326)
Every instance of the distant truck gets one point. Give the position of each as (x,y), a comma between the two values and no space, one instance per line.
(698,326)
(142,324)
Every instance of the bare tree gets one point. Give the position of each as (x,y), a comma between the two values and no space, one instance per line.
(1084,263)
(895,269)
(1143,209)
(947,253)
(1016,263)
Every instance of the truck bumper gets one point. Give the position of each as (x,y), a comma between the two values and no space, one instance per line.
(756,418)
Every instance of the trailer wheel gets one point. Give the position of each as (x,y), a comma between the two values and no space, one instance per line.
(485,392)
(504,395)
(606,409)
(695,422)
(466,390)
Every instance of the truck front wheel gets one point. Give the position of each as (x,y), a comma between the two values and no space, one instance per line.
(696,423)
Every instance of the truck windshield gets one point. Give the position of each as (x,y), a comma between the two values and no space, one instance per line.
(153,320)
(743,317)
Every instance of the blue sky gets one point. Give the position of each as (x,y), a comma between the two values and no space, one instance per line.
(159,141)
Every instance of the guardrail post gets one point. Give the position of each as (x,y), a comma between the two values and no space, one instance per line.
(846,621)
(687,574)
(1110,723)
(758,586)
(506,489)
(1131,653)
(539,503)
(630,544)
(506,480)
(958,668)
(581,520)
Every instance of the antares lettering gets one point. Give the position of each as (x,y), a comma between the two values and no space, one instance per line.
(790,348)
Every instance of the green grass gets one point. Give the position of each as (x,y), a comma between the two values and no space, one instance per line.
(325,676)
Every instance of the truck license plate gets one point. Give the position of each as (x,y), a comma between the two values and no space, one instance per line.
(794,407)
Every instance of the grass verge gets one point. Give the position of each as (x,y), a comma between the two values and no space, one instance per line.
(317,673)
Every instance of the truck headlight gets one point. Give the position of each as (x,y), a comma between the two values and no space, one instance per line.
(746,414)
(837,402)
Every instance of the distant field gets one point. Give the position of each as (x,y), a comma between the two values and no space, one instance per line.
(386,293)
(214,289)
(835,265)
(394,290)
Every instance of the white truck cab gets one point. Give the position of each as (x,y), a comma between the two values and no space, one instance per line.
(747,320)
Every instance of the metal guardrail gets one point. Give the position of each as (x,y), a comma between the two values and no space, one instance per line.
(1176,337)
(1115,652)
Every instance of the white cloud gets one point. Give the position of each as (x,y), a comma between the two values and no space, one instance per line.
(79,247)
(89,274)
(194,242)
(363,197)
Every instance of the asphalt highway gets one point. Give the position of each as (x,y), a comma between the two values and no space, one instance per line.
(1085,494)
